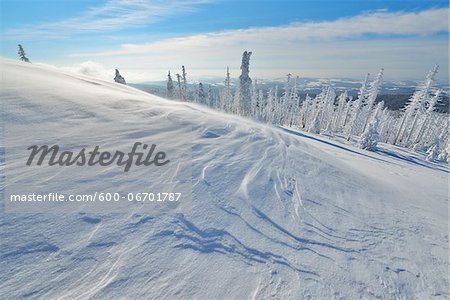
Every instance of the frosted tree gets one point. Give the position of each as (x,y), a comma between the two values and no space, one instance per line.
(277,113)
(347,111)
(22,54)
(235,102)
(302,113)
(294,111)
(227,79)
(283,103)
(447,149)
(226,98)
(315,124)
(245,83)
(210,99)
(356,108)
(378,111)
(369,138)
(419,125)
(255,102)
(184,83)
(437,131)
(305,111)
(444,155)
(202,96)
(170,87)
(373,91)
(415,106)
(439,146)
(428,114)
(432,153)
(419,112)
(268,112)
(340,111)
(387,122)
(328,108)
(322,109)
(316,112)
(179,94)
(261,104)
(119,78)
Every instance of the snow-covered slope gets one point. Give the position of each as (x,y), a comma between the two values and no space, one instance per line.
(276,213)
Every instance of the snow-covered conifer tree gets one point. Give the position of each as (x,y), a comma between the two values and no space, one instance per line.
(347,111)
(305,112)
(170,87)
(255,103)
(245,83)
(340,111)
(201,94)
(315,123)
(328,108)
(294,115)
(284,102)
(268,112)
(226,97)
(316,113)
(179,92)
(119,78)
(22,54)
(356,108)
(416,105)
(427,115)
(210,99)
(444,155)
(433,153)
(378,111)
(374,88)
(387,125)
(184,84)
(369,139)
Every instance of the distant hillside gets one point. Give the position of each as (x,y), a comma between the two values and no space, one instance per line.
(394,98)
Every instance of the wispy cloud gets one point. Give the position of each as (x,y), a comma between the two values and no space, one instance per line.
(113,15)
(405,43)
(377,23)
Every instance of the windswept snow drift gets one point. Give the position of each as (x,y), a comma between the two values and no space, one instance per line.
(276,213)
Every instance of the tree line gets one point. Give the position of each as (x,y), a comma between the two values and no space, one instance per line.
(362,120)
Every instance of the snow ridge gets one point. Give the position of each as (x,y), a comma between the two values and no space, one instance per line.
(276,213)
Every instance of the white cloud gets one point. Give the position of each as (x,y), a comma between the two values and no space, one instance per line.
(113,15)
(405,44)
(379,23)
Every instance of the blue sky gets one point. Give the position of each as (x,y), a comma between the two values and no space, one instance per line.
(144,38)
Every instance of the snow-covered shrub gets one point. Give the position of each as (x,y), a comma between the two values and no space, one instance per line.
(369,139)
